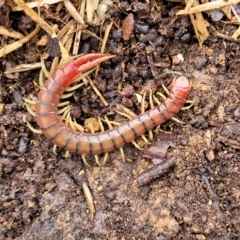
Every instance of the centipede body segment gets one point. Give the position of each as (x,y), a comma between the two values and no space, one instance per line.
(61,135)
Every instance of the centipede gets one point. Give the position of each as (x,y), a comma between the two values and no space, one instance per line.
(63,136)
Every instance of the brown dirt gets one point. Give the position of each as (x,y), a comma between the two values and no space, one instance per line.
(41,193)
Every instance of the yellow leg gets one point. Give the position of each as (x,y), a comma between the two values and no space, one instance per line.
(68,95)
(188,107)
(109,123)
(85,160)
(55,149)
(66,155)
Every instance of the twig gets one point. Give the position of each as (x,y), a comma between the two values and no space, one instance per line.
(155,172)
(97,91)
(44,25)
(13,34)
(13,46)
(24,68)
(74,13)
(208,6)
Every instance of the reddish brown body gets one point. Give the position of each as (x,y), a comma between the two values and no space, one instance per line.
(61,135)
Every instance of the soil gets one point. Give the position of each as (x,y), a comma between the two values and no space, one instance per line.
(198,198)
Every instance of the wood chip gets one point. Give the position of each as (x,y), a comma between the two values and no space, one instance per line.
(128,26)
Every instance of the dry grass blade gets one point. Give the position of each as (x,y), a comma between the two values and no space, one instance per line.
(13,34)
(74,13)
(91,9)
(64,30)
(89,198)
(97,91)
(34,16)
(13,46)
(207,6)
(78,34)
(198,22)
(24,67)
(104,42)
(43,24)
(36,4)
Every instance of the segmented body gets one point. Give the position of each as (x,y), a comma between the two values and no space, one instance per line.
(61,135)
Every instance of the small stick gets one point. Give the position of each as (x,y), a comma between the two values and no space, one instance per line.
(89,198)
(13,34)
(97,91)
(158,170)
(13,46)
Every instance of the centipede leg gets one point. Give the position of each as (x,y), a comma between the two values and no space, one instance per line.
(109,123)
(66,154)
(85,160)
(164,98)
(38,131)
(191,102)
(136,145)
(130,115)
(150,133)
(54,149)
(177,120)
(105,158)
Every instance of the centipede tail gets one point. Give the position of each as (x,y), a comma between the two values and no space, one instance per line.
(61,135)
